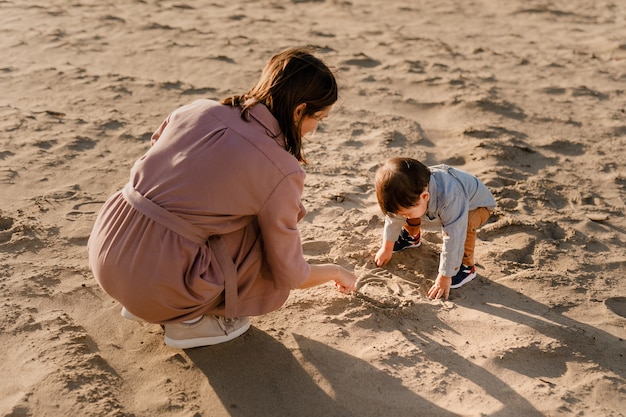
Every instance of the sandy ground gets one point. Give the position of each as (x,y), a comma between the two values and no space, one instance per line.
(528,95)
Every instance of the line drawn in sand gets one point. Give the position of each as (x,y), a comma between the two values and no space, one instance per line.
(383,289)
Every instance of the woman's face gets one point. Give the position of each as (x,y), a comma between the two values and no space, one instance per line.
(310,122)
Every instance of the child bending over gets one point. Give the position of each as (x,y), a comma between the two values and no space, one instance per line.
(407,190)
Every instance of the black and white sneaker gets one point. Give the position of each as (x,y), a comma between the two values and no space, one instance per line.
(465,275)
(406,241)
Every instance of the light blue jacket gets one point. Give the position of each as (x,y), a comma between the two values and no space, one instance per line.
(453,193)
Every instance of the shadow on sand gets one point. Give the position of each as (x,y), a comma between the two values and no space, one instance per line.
(246,373)
(318,380)
(580,342)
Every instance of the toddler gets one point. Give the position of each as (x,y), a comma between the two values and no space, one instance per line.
(406,190)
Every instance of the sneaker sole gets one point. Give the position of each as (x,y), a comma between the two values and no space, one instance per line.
(205,341)
(408,247)
(130,316)
(465,281)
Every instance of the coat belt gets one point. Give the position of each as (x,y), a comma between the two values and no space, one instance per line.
(189,231)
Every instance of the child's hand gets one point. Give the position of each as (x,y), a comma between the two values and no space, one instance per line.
(441,287)
(383,256)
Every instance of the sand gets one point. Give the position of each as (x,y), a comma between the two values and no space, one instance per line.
(527,95)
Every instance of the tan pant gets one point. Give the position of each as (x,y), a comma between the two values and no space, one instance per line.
(475,219)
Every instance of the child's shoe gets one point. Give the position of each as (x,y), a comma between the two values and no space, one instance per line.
(465,275)
(406,241)
(209,330)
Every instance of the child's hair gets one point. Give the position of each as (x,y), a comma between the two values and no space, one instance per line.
(292,77)
(399,183)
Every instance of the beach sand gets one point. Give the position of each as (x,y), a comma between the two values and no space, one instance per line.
(527,95)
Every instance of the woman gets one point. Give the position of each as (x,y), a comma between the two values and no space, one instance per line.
(205,232)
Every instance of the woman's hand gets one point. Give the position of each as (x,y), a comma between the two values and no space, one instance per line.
(346,281)
(441,287)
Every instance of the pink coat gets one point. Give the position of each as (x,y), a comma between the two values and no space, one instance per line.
(208,221)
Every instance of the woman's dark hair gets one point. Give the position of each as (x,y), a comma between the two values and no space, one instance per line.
(289,79)
(399,183)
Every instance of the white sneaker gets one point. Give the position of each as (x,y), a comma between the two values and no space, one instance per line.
(209,330)
(130,316)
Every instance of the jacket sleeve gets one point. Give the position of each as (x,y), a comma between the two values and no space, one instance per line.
(278,221)
(453,217)
(393,227)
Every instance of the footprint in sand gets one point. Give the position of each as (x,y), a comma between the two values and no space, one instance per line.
(617,305)
(84,211)
(82,143)
(6,224)
(315,247)
(363,61)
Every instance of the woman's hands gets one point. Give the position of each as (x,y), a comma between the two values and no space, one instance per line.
(345,281)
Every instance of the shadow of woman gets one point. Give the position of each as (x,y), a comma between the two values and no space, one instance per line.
(258,376)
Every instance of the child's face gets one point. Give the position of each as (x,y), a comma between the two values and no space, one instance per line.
(418,210)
